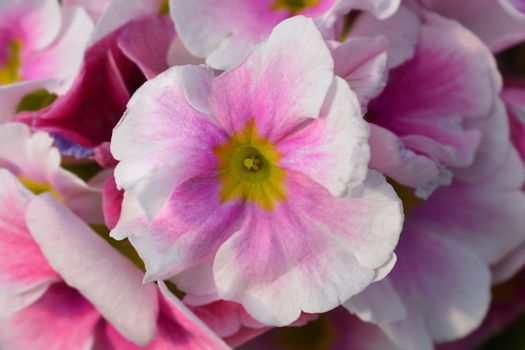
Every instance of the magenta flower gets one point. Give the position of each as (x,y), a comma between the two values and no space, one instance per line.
(258,173)
(440,103)
(124,57)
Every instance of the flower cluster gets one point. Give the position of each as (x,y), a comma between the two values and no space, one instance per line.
(198,174)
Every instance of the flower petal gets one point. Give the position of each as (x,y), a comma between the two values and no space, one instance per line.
(61,320)
(283,262)
(24,273)
(332,149)
(275,86)
(106,278)
(484,215)
(188,229)
(362,63)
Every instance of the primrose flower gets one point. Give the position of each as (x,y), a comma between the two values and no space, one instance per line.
(261,174)
(224,32)
(56,270)
(425,124)
(41,47)
(451,239)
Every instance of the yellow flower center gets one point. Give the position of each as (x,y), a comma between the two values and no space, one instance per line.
(39,187)
(248,169)
(10,70)
(293,6)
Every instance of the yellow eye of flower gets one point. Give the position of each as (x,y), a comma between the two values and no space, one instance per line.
(293,6)
(39,187)
(10,69)
(248,169)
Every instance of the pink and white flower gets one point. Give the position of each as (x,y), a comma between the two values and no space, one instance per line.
(57,271)
(41,47)
(224,32)
(262,173)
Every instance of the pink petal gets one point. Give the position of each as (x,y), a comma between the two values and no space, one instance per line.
(24,273)
(162,130)
(390,156)
(106,278)
(506,18)
(275,86)
(119,12)
(32,156)
(283,262)
(146,42)
(61,60)
(401,30)
(486,216)
(445,288)
(331,150)
(223,31)
(37,21)
(112,202)
(61,320)
(94,8)
(430,120)
(188,230)
(362,63)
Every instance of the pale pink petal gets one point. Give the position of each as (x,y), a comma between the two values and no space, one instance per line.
(188,229)
(362,63)
(444,286)
(197,280)
(506,18)
(146,42)
(179,55)
(401,30)
(94,8)
(33,157)
(61,320)
(162,140)
(119,12)
(88,263)
(389,155)
(61,60)
(378,303)
(331,150)
(487,216)
(196,334)
(283,262)
(223,31)
(36,21)
(493,147)
(24,273)
(276,87)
